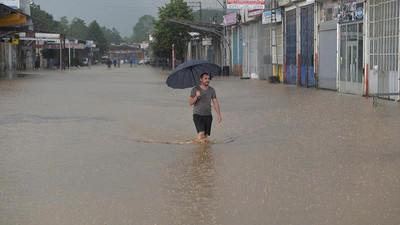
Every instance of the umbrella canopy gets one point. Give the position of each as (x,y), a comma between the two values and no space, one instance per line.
(188,74)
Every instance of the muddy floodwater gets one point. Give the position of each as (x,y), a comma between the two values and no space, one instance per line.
(91,146)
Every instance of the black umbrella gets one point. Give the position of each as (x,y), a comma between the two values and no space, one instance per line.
(188,74)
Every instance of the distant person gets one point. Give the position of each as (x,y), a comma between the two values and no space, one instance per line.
(115,62)
(23,63)
(109,64)
(37,63)
(119,62)
(201,97)
(131,62)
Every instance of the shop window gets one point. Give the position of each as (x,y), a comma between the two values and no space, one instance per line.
(384,36)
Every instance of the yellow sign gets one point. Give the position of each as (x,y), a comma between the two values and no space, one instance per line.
(12,19)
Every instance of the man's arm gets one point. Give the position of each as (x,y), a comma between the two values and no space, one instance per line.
(216,106)
(192,100)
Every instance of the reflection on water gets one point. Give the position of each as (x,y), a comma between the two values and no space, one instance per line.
(12,75)
(191,188)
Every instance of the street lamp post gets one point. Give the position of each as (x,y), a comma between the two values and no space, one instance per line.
(224,11)
(173,56)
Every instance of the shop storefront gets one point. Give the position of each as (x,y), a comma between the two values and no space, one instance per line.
(327,47)
(291,47)
(252,36)
(384,46)
(351,61)
(237,49)
(307,78)
(273,42)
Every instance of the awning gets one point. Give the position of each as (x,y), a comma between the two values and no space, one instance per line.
(203,28)
(11,17)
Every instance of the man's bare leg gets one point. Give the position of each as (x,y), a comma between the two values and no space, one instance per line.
(200,136)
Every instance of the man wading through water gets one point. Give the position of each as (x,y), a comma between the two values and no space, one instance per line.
(201,97)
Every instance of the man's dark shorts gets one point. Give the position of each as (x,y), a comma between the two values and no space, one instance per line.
(203,123)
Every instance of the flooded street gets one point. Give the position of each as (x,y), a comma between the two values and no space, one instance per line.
(91,146)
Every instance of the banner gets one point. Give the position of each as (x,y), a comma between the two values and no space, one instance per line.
(207,41)
(246,4)
(11,3)
(230,19)
(272,16)
(47,35)
(254,12)
(349,11)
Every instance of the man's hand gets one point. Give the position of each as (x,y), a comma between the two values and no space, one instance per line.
(198,94)
(216,106)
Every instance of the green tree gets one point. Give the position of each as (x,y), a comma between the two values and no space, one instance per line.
(78,29)
(47,22)
(166,34)
(112,35)
(64,25)
(96,34)
(143,28)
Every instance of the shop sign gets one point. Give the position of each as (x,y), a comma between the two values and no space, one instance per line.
(11,3)
(144,45)
(47,35)
(255,12)
(77,46)
(246,4)
(349,11)
(6,39)
(272,16)
(48,46)
(207,41)
(230,19)
(10,40)
(125,51)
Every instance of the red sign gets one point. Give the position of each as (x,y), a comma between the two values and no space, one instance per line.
(47,46)
(246,4)
(230,19)
(124,51)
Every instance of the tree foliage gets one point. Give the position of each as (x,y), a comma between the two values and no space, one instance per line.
(112,35)
(143,28)
(47,22)
(78,29)
(96,34)
(166,34)
(64,25)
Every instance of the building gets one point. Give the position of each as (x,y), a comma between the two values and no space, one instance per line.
(360,36)
(15,54)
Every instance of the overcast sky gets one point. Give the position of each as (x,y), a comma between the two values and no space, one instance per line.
(121,14)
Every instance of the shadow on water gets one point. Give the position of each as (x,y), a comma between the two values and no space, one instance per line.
(191,187)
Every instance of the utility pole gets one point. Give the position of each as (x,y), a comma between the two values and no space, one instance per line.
(197,5)
(61,53)
(224,12)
